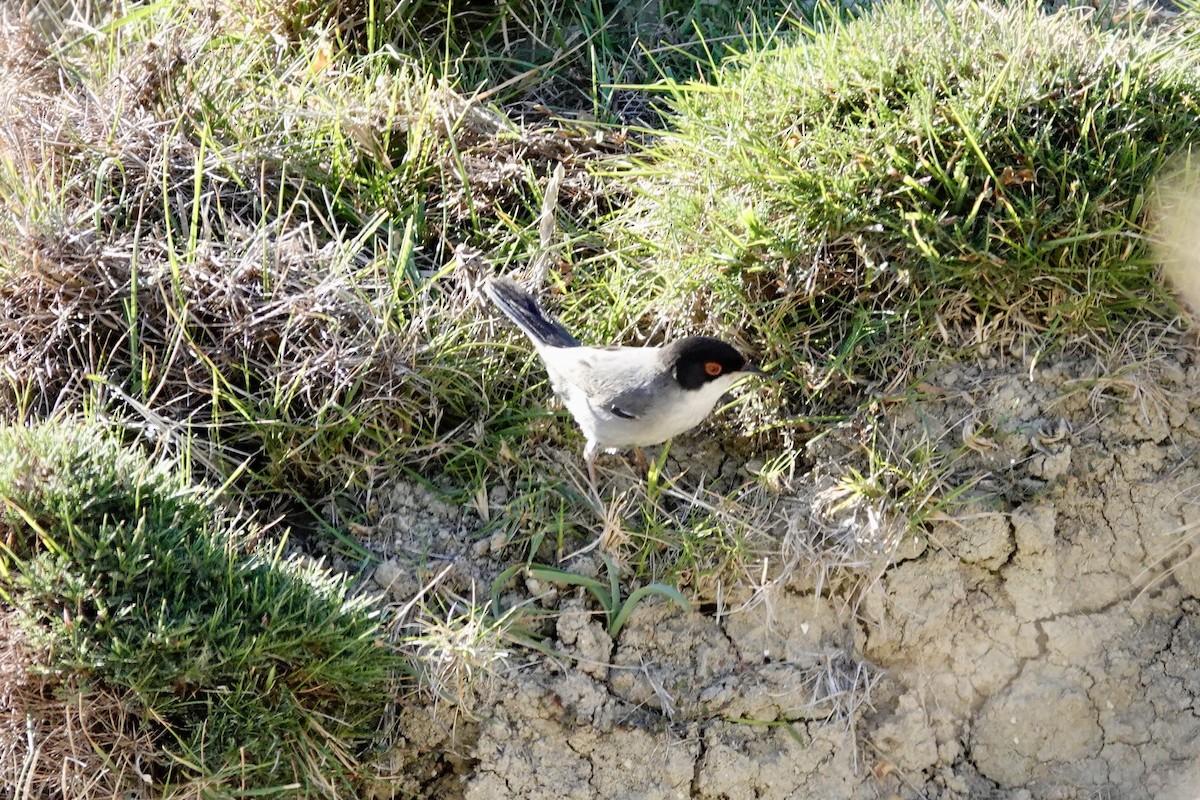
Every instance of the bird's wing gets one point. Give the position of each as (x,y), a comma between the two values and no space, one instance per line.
(618,380)
(635,402)
(616,409)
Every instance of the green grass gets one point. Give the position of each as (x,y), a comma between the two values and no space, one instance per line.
(254,669)
(260,215)
(580,61)
(856,201)
(616,609)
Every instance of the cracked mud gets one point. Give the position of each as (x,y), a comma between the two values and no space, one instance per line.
(1042,641)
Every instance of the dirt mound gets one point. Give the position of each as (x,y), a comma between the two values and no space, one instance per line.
(1040,642)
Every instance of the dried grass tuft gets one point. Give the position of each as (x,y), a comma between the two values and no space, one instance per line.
(502,167)
(226,297)
(61,737)
(249,348)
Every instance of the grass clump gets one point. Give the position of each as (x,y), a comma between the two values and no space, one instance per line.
(246,669)
(616,609)
(218,239)
(921,173)
(590,60)
(238,240)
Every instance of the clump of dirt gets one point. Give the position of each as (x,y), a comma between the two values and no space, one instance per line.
(1037,638)
(1045,647)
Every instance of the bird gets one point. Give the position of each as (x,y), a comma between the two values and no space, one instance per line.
(624,396)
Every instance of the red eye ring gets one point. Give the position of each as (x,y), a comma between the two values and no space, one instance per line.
(713,368)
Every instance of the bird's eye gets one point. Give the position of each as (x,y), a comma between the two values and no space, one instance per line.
(712,368)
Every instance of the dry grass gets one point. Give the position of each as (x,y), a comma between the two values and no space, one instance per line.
(217,295)
(60,736)
(245,356)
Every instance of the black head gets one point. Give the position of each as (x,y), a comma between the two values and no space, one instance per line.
(697,360)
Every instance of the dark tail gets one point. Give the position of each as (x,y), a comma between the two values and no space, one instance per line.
(519,306)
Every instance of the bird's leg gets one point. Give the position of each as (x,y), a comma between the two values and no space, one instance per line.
(639,460)
(591,465)
(589,457)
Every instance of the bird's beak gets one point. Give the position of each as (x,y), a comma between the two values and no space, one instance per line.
(750,369)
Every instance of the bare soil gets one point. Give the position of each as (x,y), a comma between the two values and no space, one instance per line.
(1038,639)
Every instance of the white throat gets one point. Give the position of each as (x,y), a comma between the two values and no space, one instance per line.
(693,406)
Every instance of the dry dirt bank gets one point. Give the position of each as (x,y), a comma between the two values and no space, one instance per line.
(1043,642)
